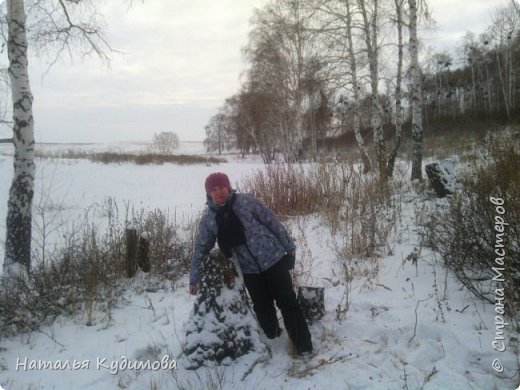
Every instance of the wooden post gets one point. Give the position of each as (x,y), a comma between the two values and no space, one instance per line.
(144,246)
(131,252)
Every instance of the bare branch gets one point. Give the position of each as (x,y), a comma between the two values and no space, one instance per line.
(68,26)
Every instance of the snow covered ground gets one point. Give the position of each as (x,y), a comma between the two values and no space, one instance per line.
(412,326)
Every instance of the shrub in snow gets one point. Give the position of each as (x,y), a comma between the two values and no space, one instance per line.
(221,327)
(86,274)
(478,233)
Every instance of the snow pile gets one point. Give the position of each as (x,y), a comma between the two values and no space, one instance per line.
(443,176)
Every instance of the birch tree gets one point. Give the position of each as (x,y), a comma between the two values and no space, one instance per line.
(19,217)
(258,115)
(53,27)
(216,135)
(502,32)
(473,57)
(399,4)
(340,31)
(356,88)
(415,94)
(370,35)
(283,27)
(265,110)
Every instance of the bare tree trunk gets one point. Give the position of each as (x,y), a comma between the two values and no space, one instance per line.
(367,163)
(219,141)
(440,92)
(415,75)
(260,146)
(19,206)
(399,80)
(511,83)
(370,31)
(313,126)
(296,40)
(503,84)
(473,89)
(490,106)
(461,98)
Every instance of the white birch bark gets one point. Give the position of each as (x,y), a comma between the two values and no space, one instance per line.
(370,35)
(398,97)
(18,223)
(365,157)
(511,73)
(489,90)
(295,39)
(503,83)
(415,76)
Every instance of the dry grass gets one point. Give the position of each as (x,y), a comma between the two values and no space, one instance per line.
(358,211)
(287,190)
(88,274)
(136,158)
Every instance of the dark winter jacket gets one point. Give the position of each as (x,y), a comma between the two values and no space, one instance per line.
(230,229)
(267,240)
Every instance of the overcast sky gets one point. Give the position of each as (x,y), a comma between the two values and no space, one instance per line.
(180,59)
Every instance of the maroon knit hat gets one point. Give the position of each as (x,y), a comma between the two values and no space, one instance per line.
(217,179)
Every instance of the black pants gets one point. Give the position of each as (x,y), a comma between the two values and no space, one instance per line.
(273,285)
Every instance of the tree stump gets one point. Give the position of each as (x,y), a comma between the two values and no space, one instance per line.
(312,302)
(131,252)
(221,327)
(442,176)
(144,249)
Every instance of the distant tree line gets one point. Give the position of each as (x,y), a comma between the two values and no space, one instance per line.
(482,82)
(320,68)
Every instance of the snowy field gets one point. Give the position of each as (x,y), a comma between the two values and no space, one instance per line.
(410,327)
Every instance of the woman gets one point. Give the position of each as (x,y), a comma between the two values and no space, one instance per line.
(247,230)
